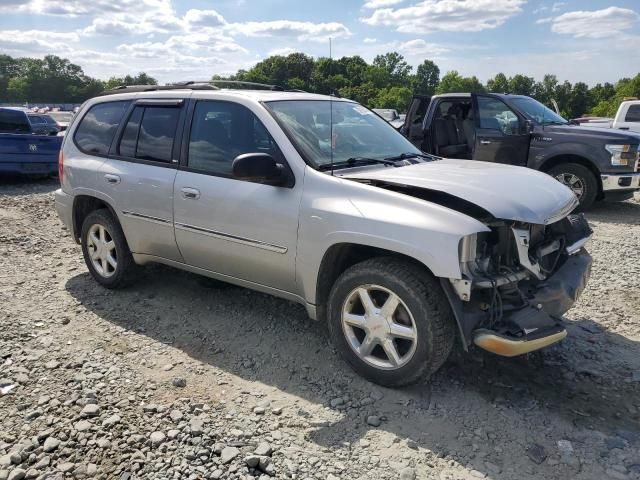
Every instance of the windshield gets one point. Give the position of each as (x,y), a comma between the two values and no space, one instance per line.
(357,131)
(537,112)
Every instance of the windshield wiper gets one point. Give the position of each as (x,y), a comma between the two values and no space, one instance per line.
(354,161)
(405,156)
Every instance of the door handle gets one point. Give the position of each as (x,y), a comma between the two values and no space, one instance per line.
(190,193)
(485,142)
(112,178)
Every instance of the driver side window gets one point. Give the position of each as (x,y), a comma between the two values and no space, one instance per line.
(495,115)
(220,131)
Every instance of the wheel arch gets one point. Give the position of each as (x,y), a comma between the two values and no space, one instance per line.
(573,158)
(339,257)
(83,205)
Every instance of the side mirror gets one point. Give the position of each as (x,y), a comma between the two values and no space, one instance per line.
(528,126)
(259,168)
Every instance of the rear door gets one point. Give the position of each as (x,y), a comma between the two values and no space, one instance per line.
(413,122)
(502,136)
(140,172)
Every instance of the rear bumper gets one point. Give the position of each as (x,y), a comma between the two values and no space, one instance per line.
(29,168)
(64,207)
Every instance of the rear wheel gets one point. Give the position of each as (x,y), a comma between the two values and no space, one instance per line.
(390,321)
(105,250)
(580,180)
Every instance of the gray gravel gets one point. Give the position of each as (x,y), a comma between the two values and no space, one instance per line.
(180,377)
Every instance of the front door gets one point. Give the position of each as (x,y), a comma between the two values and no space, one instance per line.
(237,228)
(501,135)
(413,122)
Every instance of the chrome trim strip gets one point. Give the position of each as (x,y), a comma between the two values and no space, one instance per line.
(146,217)
(232,238)
(575,247)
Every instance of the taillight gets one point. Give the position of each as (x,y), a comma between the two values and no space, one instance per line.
(60,166)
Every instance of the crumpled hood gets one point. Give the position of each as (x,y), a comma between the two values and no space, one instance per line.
(505,191)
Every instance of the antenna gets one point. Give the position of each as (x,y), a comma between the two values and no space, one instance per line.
(331,140)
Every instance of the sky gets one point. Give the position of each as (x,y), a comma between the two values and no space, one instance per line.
(173,40)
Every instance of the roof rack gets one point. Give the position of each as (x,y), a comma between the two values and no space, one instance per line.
(264,86)
(155,88)
(195,85)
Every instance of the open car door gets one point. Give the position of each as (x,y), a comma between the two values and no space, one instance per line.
(413,123)
(501,135)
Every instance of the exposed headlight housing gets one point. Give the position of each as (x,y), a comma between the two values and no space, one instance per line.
(622,155)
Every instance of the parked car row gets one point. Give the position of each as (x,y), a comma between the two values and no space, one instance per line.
(320,201)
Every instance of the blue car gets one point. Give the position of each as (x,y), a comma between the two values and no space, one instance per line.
(23,150)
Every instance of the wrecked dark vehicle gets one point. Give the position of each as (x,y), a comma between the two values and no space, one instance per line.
(597,164)
(320,201)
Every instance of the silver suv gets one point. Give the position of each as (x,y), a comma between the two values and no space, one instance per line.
(320,201)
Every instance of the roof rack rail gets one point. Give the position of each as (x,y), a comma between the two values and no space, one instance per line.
(194,85)
(265,86)
(155,88)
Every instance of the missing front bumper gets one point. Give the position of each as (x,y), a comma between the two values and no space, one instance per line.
(525,329)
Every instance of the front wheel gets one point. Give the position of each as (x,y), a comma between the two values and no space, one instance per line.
(390,320)
(580,180)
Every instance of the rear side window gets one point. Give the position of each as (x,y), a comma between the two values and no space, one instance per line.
(633,114)
(13,122)
(150,134)
(98,127)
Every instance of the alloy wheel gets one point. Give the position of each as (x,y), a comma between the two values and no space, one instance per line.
(102,250)
(379,327)
(574,182)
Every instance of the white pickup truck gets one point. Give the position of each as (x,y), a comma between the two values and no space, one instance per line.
(627,118)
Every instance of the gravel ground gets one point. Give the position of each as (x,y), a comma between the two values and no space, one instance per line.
(183,377)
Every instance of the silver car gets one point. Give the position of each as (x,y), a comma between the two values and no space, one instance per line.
(320,201)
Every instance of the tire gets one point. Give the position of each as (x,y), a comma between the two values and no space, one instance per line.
(585,178)
(422,309)
(123,273)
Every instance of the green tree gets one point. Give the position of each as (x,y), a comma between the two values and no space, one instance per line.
(394,65)
(426,79)
(579,100)
(521,85)
(393,97)
(453,82)
(498,84)
(140,79)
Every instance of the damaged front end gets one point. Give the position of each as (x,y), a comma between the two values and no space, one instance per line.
(518,279)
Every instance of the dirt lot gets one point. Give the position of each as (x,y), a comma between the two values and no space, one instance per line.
(182,377)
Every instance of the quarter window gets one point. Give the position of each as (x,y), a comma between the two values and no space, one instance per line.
(495,115)
(12,121)
(150,134)
(633,114)
(221,131)
(98,127)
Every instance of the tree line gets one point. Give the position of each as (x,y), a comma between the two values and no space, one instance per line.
(54,80)
(387,82)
